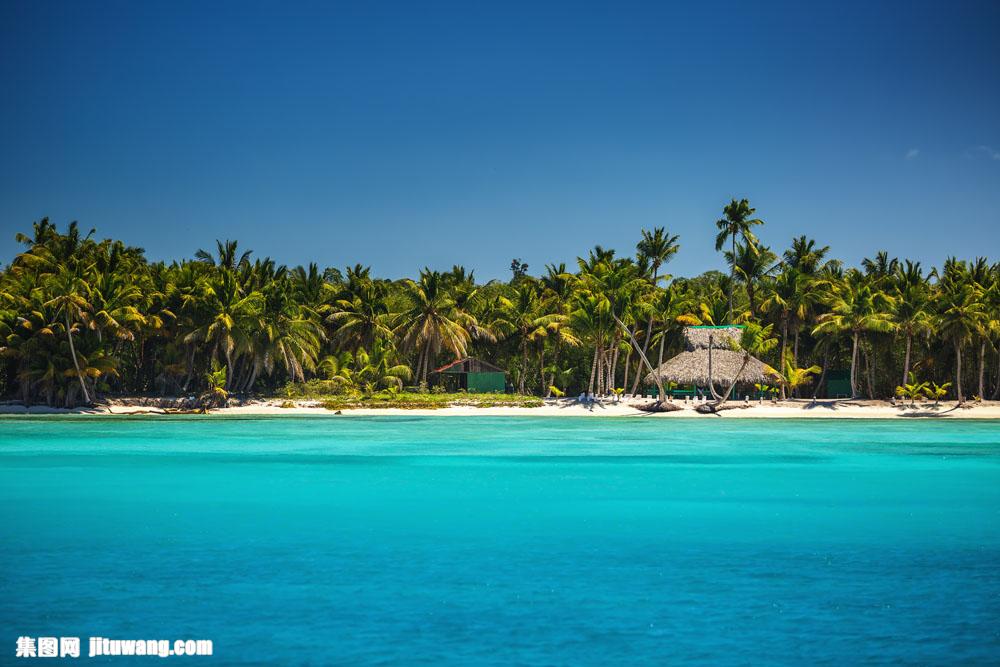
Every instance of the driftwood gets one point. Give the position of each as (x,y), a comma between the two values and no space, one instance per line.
(658,406)
(714,408)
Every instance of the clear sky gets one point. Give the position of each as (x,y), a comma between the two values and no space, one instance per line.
(412,134)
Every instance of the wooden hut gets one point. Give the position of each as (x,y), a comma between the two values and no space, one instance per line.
(691,367)
(471,375)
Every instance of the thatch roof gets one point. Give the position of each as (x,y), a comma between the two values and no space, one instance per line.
(696,338)
(691,366)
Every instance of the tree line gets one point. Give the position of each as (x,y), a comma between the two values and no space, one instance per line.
(81,318)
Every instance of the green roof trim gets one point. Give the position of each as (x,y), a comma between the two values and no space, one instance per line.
(718,326)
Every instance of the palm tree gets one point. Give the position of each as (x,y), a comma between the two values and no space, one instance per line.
(856,308)
(788,300)
(226,256)
(432,322)
(751,265)
(755,341)
(361,316)
(913,314)
(380,369)
(793,378)
(805,256)
(230,318)
(655,249)
(913,390)
(70,301)
(961,313)
(736,222)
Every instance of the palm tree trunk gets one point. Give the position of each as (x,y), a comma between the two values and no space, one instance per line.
(555,368)
(958,372)
(427,364)
(870,375)
(600,372)
(229,367)
(982,369)
(593,370)
(732,280)
(523,375)
(822,376)
(646,339)
(253,378)
(76,363)
(723,399)
(190,368)
(628,364)
(854,367)
(906,359)
(996,390)
(784,344)
(612,365)
(541,369)
(635,344)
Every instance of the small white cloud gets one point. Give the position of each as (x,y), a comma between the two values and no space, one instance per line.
(912,153)
(987,151)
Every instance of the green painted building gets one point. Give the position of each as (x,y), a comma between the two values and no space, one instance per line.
(471,375)
(838,384)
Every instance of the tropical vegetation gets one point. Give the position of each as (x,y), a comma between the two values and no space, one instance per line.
(83,318)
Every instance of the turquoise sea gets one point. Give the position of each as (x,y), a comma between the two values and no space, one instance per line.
(532,541)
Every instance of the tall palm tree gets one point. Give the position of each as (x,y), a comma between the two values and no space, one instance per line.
(70,301)
(751,265)
(856,308)
(913,313)
(656,248)
(431,322)
(789,299)
(805,256)
(226,257)
(961,313)
(737,222)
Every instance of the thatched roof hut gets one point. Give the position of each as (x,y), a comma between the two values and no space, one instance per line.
(691,365)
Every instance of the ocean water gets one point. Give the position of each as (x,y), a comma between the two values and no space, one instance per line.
(532,541)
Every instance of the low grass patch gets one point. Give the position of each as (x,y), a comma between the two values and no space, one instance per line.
(416,401)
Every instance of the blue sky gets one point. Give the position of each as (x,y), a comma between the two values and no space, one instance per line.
(412,134)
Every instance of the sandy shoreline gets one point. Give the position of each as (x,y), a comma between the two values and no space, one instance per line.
(798,409)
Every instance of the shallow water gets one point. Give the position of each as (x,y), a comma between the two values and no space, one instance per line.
(507,540)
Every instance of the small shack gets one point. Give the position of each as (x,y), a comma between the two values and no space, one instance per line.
(691,366)
(838,384)
(471,375)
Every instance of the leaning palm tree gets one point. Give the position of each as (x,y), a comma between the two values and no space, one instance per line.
(856,308)
(70,301)
(737,221)
(755,341)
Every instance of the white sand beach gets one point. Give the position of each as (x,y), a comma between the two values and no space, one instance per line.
(791,409)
